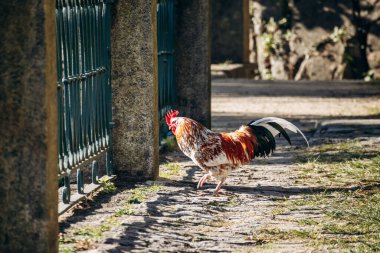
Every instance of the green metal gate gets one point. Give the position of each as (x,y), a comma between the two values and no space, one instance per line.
(166,59)
(84,88)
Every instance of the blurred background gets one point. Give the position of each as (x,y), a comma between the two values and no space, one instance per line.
(296,39)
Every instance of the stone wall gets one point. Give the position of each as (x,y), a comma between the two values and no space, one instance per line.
(317,40)
(301,39)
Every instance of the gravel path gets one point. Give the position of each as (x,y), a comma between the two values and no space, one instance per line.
(170,215)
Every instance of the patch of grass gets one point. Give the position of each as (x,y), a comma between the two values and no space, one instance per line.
(90,232)
(352,171)
(333,152)
(139,194)
(231,202)
(356,215)
(170,170)
(107,185)
(312,202)
(63,242)
(307,222)
(275,234)
(374,111)
(344,163)
(96,232)
(66,240)
(341,219)
(338,152)
(126,210)
(219,222)
(65,249)
(82,238)
(349,220)
(279,211)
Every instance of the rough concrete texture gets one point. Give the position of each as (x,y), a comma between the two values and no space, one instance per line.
(228,31)
(28,123)
(134,88)
(179,218)
(192,52)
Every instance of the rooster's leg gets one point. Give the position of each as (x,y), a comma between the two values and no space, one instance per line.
(204,179)
(219,186)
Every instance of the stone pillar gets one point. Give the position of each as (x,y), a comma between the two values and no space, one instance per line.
(135,89)
(192,52)
(28,123)
(230,31)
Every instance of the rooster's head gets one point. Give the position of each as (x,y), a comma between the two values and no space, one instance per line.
(171,119)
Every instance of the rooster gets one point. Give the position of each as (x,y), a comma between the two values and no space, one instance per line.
(220,153)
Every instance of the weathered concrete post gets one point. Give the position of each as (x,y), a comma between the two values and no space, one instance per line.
(135,90)
(28,127)
(192,52)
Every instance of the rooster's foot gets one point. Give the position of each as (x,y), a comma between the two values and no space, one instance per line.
(203,180)
(218,188)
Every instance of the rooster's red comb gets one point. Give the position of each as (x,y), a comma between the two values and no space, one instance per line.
(171,114)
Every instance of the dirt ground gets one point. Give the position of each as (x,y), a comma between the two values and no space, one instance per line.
(279,204)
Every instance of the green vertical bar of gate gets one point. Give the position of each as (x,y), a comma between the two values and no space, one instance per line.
(65,125)
(86,100)
(75,75)
(165,41)
(88,53)
(98,75)
(71,82)
(107,55)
